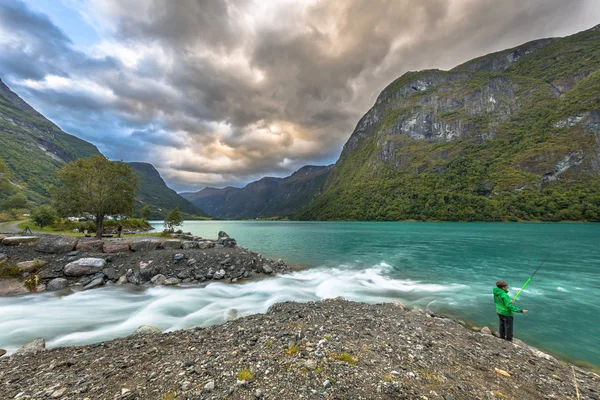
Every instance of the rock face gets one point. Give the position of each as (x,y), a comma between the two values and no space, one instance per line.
(56,244)
(19,240)
(477,142)
(84,266)
(115,246)
(90,246)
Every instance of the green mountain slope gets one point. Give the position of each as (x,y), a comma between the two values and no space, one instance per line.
(33,147)
(511,135)
(158,196)
(267,197)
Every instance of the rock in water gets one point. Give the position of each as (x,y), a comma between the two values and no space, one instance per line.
(2,352)
(84,266)
(159,279)
(267,269)
(56,244)
(34,346)
(94,284)
(223,235)
(146,329)
(57,284)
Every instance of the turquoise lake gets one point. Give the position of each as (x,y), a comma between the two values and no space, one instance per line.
(447,268)
(450,268)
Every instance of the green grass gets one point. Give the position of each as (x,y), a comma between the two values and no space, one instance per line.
(345,357)
(9,271)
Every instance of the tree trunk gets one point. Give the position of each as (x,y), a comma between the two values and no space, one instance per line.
(99,226)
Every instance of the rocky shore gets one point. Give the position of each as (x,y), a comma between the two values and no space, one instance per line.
(333,349)
(65,262)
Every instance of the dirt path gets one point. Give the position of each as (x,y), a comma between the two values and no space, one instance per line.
(10,227)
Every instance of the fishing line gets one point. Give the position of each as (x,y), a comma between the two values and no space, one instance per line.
(534,272)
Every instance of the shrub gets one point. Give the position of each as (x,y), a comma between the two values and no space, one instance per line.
(9,271)
(292,349)
(245,375)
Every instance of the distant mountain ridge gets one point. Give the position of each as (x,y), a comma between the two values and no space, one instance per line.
(157,195)
(513,135)
(34,148)
(267,197)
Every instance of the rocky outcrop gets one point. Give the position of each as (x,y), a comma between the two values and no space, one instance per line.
(145,262)
(56,244)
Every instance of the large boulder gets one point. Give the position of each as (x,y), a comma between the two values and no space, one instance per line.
(20,240)
(206,245)
(57,284)
(144,245)
(90,246)
(34,346)
(56,244)
(84,266)
(33,265)
(171,244)
(2,238)
(223,235)
(115,246)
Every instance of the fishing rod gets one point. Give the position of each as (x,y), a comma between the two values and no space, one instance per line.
(529,279)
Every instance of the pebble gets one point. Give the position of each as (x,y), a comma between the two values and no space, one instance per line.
(209,386)
(327,384)
(310,365)
(58,393)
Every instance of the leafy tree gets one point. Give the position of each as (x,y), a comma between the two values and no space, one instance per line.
(173,220)
(43,216)
(15,201)
(145,212)
(96,186)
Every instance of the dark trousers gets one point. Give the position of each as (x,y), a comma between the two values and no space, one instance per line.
(506,327)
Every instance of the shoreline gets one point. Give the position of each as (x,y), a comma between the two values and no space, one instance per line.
(333,347)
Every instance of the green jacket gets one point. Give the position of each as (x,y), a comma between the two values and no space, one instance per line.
(503,304)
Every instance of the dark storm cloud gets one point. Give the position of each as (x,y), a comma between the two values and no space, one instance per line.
(222,92)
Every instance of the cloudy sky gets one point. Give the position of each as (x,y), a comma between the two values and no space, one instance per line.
(223,92)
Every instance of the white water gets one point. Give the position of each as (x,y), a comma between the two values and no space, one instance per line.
(111,312)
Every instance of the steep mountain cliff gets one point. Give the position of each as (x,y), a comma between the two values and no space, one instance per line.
(268,197)
(33,147)
(155,193)
(511,135)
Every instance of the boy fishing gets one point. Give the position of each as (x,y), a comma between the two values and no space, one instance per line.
(505,309)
